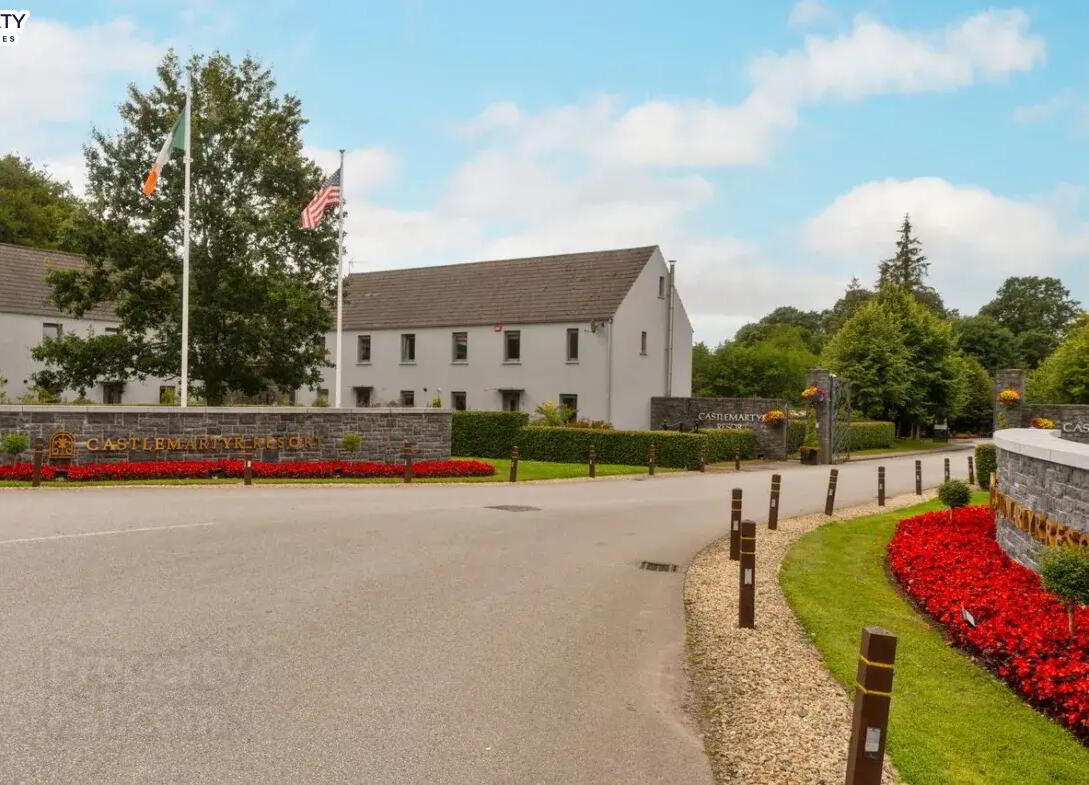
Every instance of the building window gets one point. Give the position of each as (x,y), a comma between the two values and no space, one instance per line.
(408,347)
(570,404)
(51,330)
(362,396)
(113,331)
(461,347)
(512,346)
(572,344)
(643,342)
(457,401)
(661,286)
(363,349)
(512,400)
(168,396)
(112,392)
(408,397)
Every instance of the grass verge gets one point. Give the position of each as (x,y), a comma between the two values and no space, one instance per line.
(527,470)
(952,721)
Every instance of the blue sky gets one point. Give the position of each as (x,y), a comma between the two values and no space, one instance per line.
(771,148)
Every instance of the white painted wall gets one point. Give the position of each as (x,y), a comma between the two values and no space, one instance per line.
(543,372)
(20,333)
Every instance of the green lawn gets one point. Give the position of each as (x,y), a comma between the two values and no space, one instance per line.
(527,470)
(905,445)
(952,723)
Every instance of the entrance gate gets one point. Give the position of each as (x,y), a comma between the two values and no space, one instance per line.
(840,415)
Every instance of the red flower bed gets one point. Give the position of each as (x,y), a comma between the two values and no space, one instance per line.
(1020,629)
(162,470)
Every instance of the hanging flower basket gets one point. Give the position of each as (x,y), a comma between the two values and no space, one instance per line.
(1009,397)
(1043,423)
(774,417)
(813,394)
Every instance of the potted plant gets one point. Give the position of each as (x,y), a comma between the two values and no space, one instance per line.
(774,417)
(1009,397)
(810,450)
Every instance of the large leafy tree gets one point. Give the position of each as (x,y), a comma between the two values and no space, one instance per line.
(983,338)
(773,366)
(260,288)
(846,306)
(810,326)
(973,397)
(1037,310)
(1064,376)
(907,270)
(35,209)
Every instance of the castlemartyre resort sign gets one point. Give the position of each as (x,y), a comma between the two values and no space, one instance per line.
(202,443)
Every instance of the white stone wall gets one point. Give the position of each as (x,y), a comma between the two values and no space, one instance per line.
(20,333)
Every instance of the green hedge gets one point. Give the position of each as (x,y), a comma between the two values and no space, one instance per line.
(485,434)
(674,449)
(986,463)
(723,443)
(871,435)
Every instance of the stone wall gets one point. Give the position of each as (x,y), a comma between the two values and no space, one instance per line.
(1046,475)
(1071,419)
(111,434)
(706,414)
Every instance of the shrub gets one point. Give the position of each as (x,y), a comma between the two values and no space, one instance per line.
(15,443)
(552,414)
(600,425)
(1065,572)
(954,493)
(795,435)
(351,442)
(572,445)
(436,402)
(986,464)
(722,444)
(871,435)
(321,401)
(482,434)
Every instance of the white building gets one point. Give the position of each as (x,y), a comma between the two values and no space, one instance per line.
(27,315)
(601,332)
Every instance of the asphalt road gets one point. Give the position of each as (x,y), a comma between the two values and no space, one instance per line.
(374,634)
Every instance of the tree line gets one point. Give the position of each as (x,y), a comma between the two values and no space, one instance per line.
(910,359)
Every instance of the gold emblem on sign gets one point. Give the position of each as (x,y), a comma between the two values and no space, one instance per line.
(62,445)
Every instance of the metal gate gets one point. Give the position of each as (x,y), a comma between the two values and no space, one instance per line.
(840,416)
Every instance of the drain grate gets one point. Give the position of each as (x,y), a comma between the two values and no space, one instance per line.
(657,566)
(512,508)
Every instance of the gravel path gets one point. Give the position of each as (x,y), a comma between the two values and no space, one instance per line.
(772,714)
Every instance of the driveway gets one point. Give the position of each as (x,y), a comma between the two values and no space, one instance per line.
(368,634)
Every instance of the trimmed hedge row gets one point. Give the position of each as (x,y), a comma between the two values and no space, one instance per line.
(986,464)
(674,450)
(867,435)
(485,434)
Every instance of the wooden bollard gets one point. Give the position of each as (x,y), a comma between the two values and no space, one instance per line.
(746,596)
(514,464)
(703,459)
(880,486)
(947,470)
(406,453)
(918,478)
(971,470)
(651,459)
(737,459)
(830,501)
(593,461)
(873,693)
(735,524)
(773,507)
(36,470)
(247,469)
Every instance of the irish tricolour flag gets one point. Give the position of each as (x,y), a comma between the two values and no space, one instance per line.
(175,140)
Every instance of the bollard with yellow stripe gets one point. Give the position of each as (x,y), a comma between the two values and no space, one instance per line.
(746,602)
(735,525)
(873,695)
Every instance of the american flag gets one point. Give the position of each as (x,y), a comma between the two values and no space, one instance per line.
(328,194)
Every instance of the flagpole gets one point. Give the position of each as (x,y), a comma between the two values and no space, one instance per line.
(185,248)
(340,282)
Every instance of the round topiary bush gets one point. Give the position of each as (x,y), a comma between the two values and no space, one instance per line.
(954,493)
(351,442)
(14,443)
(1065,572)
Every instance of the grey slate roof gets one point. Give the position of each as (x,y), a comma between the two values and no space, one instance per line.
(575,287)
(23,288)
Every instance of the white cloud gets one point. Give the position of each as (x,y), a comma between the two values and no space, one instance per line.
(365,168)
(970,234)
(809,12)
(1034,113)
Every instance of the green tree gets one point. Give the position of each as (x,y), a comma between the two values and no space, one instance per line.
(869,350)
(773,367)
(973,397)
(1064,376)
(703,370)
(846,307)
(810,325)
(261,286)
(1037,310)
(983,338)
(908,269)
(35,209)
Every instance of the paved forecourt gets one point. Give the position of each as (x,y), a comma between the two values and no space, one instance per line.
(383,633)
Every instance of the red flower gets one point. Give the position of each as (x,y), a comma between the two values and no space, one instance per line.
(1020,629)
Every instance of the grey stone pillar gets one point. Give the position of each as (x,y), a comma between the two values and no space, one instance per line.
(819,377)
(1009,416)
